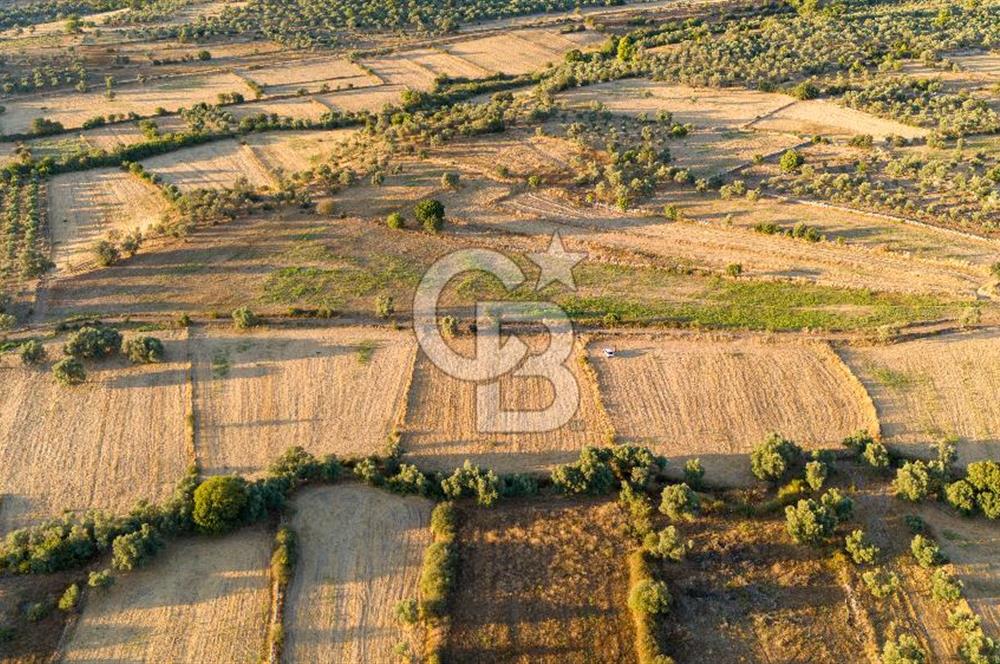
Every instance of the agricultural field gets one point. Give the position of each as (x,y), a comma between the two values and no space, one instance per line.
(202,600)
(285,153)
(360,555)
(333,391)
(212,166)
(715,399)
(934,388)
(561,598)
(104,431)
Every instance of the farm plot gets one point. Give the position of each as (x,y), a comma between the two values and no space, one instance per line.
(715,400)
(402,71)
(541,581)
(298,108)
(937,387)
(508,53)
(371,98)
(705,108)
(73,108)
(311,74)
(117,438)
(87,206)
(332,391)
(115,135)
(291,152)
(200,600)
(360,551)
(211,166)
(442,63)
(824,118)
(441,429)
(718,152)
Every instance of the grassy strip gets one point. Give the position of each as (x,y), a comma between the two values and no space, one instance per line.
(282,566)
(646,599)
(437,578)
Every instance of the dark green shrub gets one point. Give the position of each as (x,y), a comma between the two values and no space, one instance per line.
(880,582)
(471,480)
(429,213)
(143,350)
(70,598)
(101,579)
(32,352)
(69,371)
(679,502)
(926,551)
(93,342)
(219,502)
(809,522)
(861,551)
(816,472)
(666,544)
(649,597)
(106,253)
(945,587)
(694,473)
(244,318)
(409,480)
(774,458)
(904,649)
(913,481)
(135,549)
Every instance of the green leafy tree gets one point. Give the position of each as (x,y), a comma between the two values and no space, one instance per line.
(143,350)
(649,597)
(32,352)
(861,551)
(926,551)
(809,522)
(791,161)
(666,544)
(816,472)
(904,649)
(429,213)
(244,318)
(69,371)
(774,458)
(219,502)
(679,502)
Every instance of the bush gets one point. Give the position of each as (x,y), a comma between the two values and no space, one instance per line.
(7,321)
(409,480)
(244,318)
(219,503)
(649,597)
(325,207)
(444,521)
(143,350)
(32,352)
(395,220)
(694,473)
(102,579)
(407,611)
(876,455)
(471,480)
(449,181)
(69,371)
(839,505)
(860,549)
(666,544)
(926,551)
(913,481)
(437,578)
(106,253)
(136,548)
(93,342)
(679,502)
(790,161)
(70,598)
(945,587)
(774,458)
(816,472)
(368,471)
(904,649)
(984,476)
(429,213)
(809,522)
(858,442)
(384,306)
(880,582)
(589,475)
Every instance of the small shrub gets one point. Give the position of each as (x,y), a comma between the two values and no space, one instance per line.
(429,213)
(143,350)
(32,352)
(816,472)
(38,611)
(790,161)
(407,612)
(385,306)
(106,253)
(880,582)
(325,207)
(774,458)
(809,522)
(734,269)
(219,502)
(904,649)
(69,371)
(471,480)
(876,455)
(944,587)
(913,481)
(133,550)
(409,480)
(666,544)
(444,521)
(244,318)
(449,180)
(861,551)
(93,342)
(694,473)
(395,220)
(649,597)
(926,551)
(102,579)
(70,598)
(679,502)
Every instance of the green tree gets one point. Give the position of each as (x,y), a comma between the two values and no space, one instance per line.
(219,502)
(649,597)
(904,649)
(143,350)
(679,502)
(69,371)
(430,214)
(790,161)
(32,352)
(816,472)
(809,522)
(772,459)
(244,318)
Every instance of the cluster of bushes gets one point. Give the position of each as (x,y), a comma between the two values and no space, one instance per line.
(978,491)
(283,560)
(917,480)
(799,231)
(813,522)
(600,469)
(43,76)
(21,236)
(648,599)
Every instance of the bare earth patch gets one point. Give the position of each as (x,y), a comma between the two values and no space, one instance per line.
(360,551)
(260,392)
(715,400)
(200,600)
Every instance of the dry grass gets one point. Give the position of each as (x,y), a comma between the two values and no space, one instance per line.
(210,166)
(541,581)
(825,118)
(933,388)
(290,152)
(73,108)
(299,108)
(201,600)
(86,206)
(509,53)
(441,429)
(712,152)
(119,437)
(310,73)
(371,98)
(360,551)
(442,63)
(260,392)
(717,399)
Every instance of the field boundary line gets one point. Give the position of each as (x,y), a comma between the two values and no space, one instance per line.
(399,427)
(590,371)
(859,386)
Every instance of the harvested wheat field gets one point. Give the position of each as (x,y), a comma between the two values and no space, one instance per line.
(718,152)
(311,73)
(441,429)
(332,391)
(442,63)
(211,166)
(824,118)
(87,206)
(401,70)
(935,387)
(286,152)
(541,581)
(508,53)
(360,551)
(297,108)
(705,108)
(366,98)
(73,108)
(123,432)
(715,400)
(200,600)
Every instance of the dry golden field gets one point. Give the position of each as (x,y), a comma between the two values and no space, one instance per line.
(332,391)
(825,118)
(510,53)
(73,108)
(287,152)
(441,431)
(299,108)
(934,388)
(86,206)
(210,166)
(123,433)
(310,74)
(201,600)
(715,400)
(442,63)
(360,551)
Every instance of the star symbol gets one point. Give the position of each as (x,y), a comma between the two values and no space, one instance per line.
(556,263)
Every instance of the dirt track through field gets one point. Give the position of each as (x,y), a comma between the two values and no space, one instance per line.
(360,551)
(201,600)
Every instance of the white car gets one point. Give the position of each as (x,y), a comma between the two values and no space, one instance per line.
(609,352)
